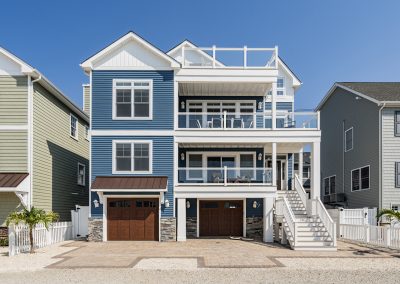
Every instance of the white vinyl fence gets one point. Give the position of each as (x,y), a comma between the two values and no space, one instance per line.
(80,218)
(362,216)
(18,236)
(385,236)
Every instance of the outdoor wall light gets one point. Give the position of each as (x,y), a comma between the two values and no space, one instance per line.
(260,156)
(182,105)
(182,156)
(188,204)
(96,203)
(255,204)
(166,203)
(260,105)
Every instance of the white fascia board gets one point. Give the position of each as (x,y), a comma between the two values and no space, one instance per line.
(246,139)
(132,133)
(130,190)
(25,68)
(212,192)
(237,73)
(88,63)
(337,85)
(296,81)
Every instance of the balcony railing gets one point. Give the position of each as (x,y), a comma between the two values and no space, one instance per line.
(225,176)
(233,58)
(257,120)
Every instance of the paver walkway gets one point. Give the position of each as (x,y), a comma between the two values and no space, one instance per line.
(206,253)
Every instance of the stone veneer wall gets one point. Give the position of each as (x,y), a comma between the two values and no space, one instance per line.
(191,227)
(95,230)
(254,227)
(168,229)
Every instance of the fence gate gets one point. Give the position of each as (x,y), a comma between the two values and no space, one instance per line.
(362,216)
(79,218)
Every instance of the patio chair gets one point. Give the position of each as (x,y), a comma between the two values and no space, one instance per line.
(237,123)
(216,122)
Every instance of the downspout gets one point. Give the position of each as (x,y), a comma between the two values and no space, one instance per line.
(380,189)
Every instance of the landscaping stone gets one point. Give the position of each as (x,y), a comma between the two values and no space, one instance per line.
(191,227)
(168,229)
(95,230)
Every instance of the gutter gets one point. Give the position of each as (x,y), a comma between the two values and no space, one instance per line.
(380,155)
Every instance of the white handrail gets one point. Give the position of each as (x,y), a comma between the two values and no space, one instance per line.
(325,218)
(300,190)
(289,218)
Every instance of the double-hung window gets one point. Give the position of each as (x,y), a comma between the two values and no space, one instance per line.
(132,156)
(397,174)
(348,139)
(73,126)
(330,185)
(280,86)
(81,174)
(360,178)
(132,99)
(397,123)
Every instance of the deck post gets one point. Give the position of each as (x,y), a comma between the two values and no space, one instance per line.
(315,170)
(181,236)
(268,220)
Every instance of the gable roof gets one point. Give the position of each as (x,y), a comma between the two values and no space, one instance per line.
(46,83)
(376,92)
(88,63)
(296,81)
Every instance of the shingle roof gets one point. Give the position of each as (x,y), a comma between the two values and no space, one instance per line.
(380,91)
(11,179)
(130,182)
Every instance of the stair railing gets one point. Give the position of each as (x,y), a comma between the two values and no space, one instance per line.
(300,190)
(318,209)
(290,219)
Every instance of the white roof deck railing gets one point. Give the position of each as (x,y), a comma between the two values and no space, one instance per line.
(229,58)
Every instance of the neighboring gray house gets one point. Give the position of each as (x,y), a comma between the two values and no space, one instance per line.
(360,146)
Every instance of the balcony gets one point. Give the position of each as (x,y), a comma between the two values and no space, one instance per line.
(229,58)
(247,121)
(225,176)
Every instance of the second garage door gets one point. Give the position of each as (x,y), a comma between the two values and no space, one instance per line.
(221,218)
(132,219)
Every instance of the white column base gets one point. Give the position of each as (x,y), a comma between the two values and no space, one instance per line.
(268,220)
(181,218)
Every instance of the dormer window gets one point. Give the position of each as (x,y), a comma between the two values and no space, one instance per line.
(132,99)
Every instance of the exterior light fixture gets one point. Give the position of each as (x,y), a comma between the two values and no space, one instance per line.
(182,104)
(260,104)
(188,204)
(259,156)
(182,156)
(96,203)
(255,204)
(166,203)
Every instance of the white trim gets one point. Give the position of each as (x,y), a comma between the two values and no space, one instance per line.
(84,174)
(30,140)
(15,127)
(25,68)
(369,178)
(88,63)
(132,132)
(296,81)
(132,88)
(352,139)
(132,142)
(130,190)
(87,134)
(77,126)
(90,145)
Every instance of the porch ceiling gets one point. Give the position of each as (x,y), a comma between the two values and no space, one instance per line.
(281,147)
(223,89)
(222,145)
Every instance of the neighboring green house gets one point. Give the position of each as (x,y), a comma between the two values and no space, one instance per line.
(44,143)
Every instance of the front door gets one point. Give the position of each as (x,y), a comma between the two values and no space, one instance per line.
(280,173)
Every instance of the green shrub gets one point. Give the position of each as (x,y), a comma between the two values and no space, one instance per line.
(3,242)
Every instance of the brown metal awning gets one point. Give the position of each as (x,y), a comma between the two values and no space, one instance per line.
(130,183)
(11,179)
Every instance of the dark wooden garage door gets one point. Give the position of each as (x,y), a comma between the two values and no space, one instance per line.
(221,218)
(132,219)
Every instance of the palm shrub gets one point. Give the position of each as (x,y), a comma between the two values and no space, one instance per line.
(32,217)
(389,214)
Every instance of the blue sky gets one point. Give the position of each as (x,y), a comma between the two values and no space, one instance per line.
(321,41)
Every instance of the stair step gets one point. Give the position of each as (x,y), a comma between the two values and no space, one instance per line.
(312,234)
(313,238)
(314,243)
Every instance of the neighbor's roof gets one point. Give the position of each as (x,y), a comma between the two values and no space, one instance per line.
(377,92)
(130,183)
(11,179)
(46,83)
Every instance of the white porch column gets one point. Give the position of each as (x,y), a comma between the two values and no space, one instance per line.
(273,105)
(300,165)
(315,170)
(273,164)
(268,220)
(181,236)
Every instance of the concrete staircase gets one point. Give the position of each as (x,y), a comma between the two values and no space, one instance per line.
(310,232)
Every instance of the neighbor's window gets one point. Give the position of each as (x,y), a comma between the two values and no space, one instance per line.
(360,178)
(348,136)
(81,174)
(73,126)
(87,132)
(397,174)
(395,207)
(397,123)
(330,185)
(280,86)
(326,186)
(132,156)
(132,99)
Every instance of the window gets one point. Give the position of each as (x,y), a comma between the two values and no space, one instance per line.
(397,123)
(87,132)
(73,126)
(348,136)
(360,179)
(132,99)
(395,207)
(132,156)
(195,161)
(397,174)
(280,86)
(306,172)
(81,174)
(330,185)
(247,166)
